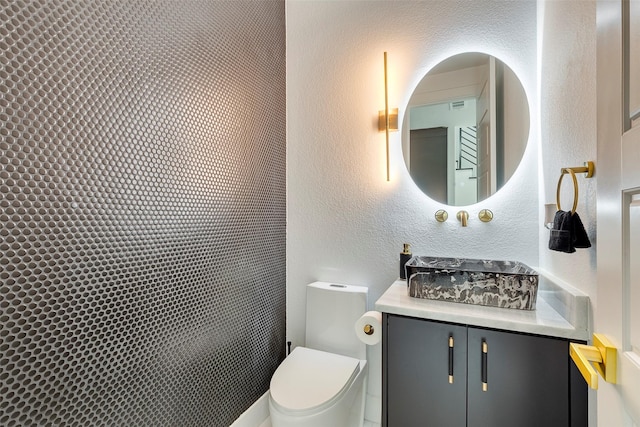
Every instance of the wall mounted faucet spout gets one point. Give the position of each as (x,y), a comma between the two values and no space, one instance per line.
(463,216)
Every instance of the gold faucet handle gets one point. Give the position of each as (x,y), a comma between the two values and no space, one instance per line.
(485,215)
(441,215)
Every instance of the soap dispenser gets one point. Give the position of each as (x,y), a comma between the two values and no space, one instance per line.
(405,256)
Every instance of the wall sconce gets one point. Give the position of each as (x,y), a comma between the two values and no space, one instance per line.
(387,119)
(393,120)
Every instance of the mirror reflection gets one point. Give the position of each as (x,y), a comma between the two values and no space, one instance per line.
(466,128)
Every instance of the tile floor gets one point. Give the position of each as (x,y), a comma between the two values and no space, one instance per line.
(267,423)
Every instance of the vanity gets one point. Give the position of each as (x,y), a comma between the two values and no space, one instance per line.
(453,364)
(446,363)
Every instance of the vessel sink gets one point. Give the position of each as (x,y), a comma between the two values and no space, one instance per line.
(506,284)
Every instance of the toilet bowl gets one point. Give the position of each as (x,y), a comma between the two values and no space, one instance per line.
(313,388)
(323,383)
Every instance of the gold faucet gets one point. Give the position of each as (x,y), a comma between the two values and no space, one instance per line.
(463,216)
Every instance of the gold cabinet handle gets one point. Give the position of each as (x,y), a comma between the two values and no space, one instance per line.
(485,374)
(604,356)
(450,359)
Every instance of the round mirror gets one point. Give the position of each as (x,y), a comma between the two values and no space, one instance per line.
(466,128)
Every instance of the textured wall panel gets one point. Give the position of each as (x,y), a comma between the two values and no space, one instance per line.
(142,210)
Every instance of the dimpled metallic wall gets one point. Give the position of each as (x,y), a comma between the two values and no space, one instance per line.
(142,210)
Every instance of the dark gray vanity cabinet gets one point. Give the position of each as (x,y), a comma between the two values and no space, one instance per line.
(450,375)
(416,375)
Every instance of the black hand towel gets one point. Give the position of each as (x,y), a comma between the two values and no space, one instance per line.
(580,238)
(568,233)
(561,233)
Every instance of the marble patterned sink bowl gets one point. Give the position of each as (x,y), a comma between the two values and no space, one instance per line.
(506,284)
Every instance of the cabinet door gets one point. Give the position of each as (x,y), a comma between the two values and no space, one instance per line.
(527,380)
(417,386)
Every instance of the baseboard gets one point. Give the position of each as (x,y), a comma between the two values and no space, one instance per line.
(255,415)
(373,409)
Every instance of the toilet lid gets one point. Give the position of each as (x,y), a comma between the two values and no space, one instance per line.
(309,379)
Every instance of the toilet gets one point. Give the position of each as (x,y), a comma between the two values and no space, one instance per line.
(323,384)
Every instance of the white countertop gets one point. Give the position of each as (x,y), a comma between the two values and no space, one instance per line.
(560,311)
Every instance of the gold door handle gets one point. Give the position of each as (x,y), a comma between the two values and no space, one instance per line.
(604,356)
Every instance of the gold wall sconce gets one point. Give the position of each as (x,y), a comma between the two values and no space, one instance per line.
(387,119)
(393,120)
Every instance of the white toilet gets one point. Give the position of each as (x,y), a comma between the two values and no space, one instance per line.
(324,383)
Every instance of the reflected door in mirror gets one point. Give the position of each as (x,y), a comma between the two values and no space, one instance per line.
(428,160)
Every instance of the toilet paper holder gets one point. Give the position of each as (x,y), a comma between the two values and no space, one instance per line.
(368,327)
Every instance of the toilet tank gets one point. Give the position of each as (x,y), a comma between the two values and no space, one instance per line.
(332,311)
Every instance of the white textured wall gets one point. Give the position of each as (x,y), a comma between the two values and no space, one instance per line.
(345,222)
(568,131)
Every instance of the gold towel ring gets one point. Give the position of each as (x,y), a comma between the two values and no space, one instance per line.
(575,189)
